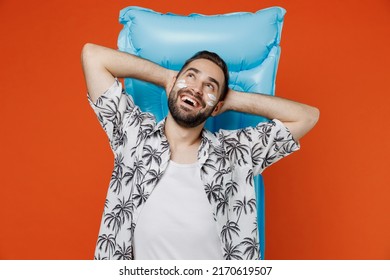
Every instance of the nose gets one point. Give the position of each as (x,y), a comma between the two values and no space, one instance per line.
(197,88)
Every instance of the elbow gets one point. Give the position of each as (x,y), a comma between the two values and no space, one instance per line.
(87,53)
(313,116)
(87,48)
(307,122)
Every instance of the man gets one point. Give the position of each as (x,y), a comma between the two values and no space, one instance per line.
(178,191)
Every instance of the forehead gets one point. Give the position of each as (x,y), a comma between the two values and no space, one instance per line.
(207,68)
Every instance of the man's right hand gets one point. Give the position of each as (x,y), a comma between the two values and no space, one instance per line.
(101,65)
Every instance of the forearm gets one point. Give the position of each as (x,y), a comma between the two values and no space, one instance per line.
(298,117)
(267,106)
(101,65)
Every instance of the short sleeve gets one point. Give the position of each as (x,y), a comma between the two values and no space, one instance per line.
(113,109)
(271,141)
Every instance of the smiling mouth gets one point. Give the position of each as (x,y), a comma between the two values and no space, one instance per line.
(190,100)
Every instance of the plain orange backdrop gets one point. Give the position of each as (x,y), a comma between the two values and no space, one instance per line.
(331,200)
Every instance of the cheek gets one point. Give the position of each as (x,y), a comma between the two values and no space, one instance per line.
(212,97)
(173,94)
(212,100)
(181,84)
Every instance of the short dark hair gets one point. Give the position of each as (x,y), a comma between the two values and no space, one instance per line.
(215,58)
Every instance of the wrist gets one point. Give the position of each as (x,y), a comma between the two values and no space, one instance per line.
(232,100)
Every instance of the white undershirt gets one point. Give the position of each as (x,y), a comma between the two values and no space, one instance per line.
(176,221)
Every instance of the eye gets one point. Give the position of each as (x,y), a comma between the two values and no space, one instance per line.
(210,86)
(190,75)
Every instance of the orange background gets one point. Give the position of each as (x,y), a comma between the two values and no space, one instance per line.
(331,200)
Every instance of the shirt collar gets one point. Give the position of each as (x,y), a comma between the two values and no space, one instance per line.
(203,151)
(160,126)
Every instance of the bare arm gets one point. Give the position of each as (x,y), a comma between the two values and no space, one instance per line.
(297,117)
(101,65)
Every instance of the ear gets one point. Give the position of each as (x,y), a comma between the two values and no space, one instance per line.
(217,110)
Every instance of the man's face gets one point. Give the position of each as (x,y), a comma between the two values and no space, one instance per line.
(196,92)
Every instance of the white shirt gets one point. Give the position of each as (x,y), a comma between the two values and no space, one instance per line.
(176,221)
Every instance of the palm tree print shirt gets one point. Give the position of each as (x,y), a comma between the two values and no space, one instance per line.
(228,160)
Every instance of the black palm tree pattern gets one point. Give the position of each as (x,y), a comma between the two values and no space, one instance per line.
(219,174)
(231,188)
(264,134)
(124,252)
(212,191)
(223,204)
(249,177)
(151,154)
(118,174)
(113,221)
(221,157)
(229,229)
(228,161)
(137,171)
(237,151)
(243,205)
(154,176)
(124,209)
(106,243)
(140,196)
(231,252)
(251,247)
(100,258)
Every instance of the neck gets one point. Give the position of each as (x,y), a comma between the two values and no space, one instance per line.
(179,136)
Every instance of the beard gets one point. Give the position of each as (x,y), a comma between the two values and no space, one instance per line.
(184,116)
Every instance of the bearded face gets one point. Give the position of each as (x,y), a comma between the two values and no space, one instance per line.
(196,92)
(187,108)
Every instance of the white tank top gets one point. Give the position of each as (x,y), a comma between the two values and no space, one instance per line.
(176,221)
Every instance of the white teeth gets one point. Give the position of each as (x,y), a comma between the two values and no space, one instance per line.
(212,97)
(194,103)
